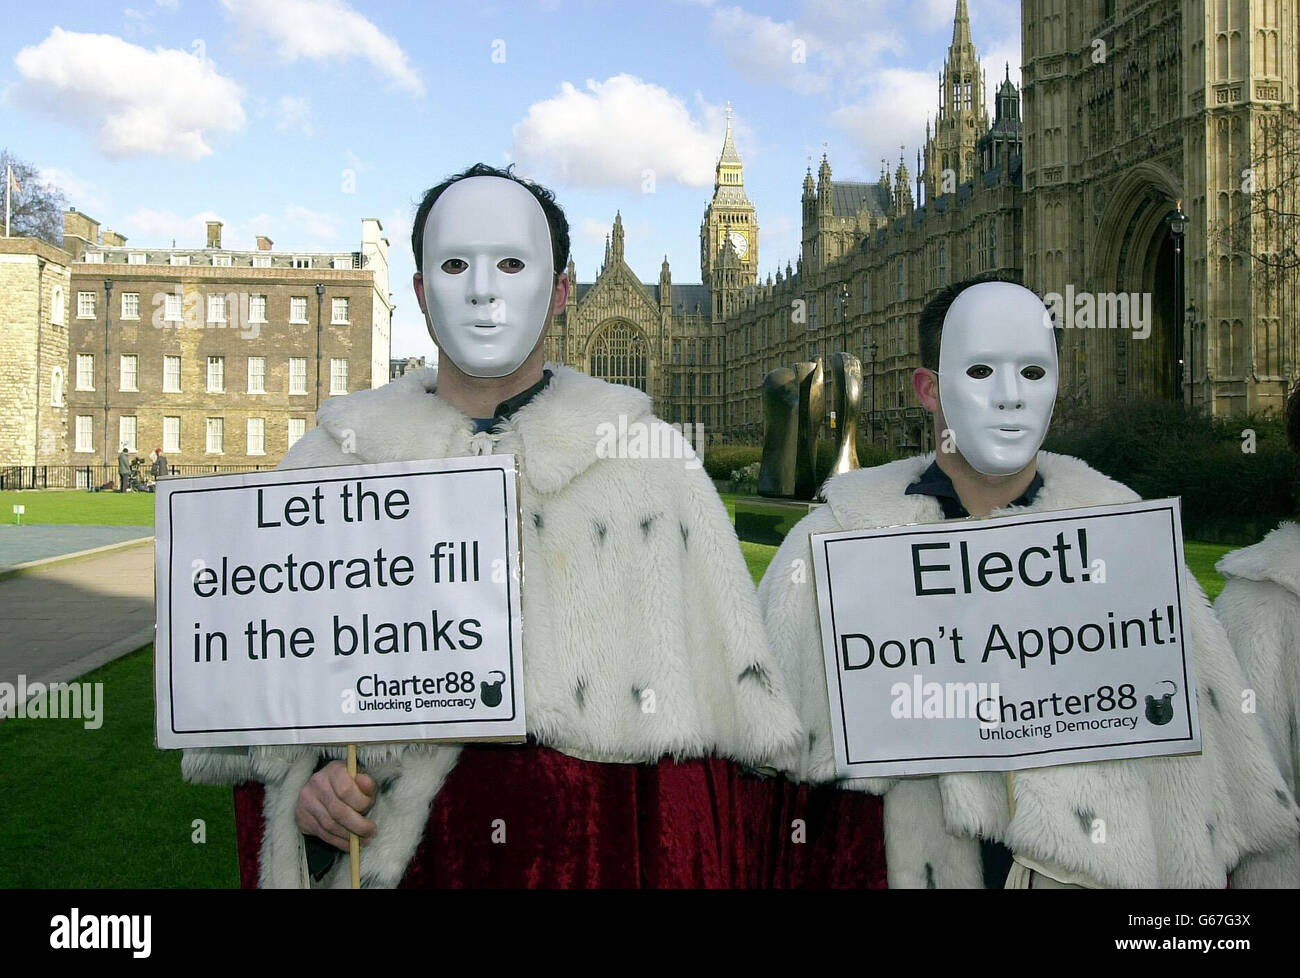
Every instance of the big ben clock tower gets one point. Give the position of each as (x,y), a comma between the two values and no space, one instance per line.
(728,220)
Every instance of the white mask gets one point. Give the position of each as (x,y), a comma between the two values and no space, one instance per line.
(997,375)
(489,304)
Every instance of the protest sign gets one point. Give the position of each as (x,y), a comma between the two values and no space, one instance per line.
(1007,643)
(341,604)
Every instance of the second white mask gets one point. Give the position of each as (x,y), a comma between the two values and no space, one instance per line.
(998,376)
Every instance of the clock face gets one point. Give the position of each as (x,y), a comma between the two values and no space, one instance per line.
(740,243)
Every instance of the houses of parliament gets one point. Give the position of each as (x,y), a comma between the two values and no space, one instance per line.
(1124,166)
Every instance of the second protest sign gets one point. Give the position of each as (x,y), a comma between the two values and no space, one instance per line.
(1007,643)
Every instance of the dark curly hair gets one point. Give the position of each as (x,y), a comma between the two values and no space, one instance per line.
(554,214)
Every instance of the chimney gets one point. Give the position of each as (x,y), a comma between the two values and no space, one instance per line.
(214,234)
(264,243)
(78,232)
(111,239)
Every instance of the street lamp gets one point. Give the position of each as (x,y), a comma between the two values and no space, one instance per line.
(108,305)
(320,297)
(1177,222)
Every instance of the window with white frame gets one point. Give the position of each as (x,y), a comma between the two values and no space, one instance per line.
(85,371)
(129,376)
(257,436)
(339,311)
(172,308)
(130,305)
(302,263)
(257,308)
(297,375)
(298,309)
(126,429)
(93,258)
(261,261)
(85,305)
(216,435)
(56,306)
(171,433)
(341,263)
(85,433)
(171,374)
(297,428)
(257,375)
(338,375)
(216,375)
(180,259)
(135,258)
(221,261)
(217,308)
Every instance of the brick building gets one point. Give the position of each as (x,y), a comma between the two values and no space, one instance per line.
(220,357)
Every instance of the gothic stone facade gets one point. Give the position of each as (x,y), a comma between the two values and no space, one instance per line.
(1131,107)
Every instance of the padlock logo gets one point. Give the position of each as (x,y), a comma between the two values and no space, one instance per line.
(490,693)
(1160,708)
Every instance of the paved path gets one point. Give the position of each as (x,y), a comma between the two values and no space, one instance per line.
(60,622)
(20,544)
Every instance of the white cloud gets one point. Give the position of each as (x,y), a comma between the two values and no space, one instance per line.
(829,46)
(305,224)
(164,102)
(293,114)
(593,230)
(323,30)
(892,114)
(81,194)
(152,228)
(614,131)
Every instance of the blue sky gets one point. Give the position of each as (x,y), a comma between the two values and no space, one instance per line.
(297,118)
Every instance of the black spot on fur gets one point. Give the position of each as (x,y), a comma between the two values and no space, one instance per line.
(580,693)
(636,694)
(685,533)
(1086,816)
(929,877)
(1214,700)
(537,520)
(645,524)
(1281,796)
(758,673)
(812,738)
(1209,827)
(601,530)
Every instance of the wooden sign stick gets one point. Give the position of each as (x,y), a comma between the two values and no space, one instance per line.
(354,843)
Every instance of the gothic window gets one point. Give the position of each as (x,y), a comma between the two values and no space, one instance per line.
(619,355)
(993,245)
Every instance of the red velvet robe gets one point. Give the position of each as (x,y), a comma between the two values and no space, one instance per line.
(572,823)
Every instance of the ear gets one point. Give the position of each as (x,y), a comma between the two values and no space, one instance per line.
(417,282)
(925,383)
(561,294)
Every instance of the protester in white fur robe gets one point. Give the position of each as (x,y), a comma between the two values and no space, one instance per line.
(633,583)
(1171,821)
(1260,607)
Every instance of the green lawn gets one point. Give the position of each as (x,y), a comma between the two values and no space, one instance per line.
(80,506)
(105,808)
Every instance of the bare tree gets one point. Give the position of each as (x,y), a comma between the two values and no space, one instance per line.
(36,210)
(1265,225)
